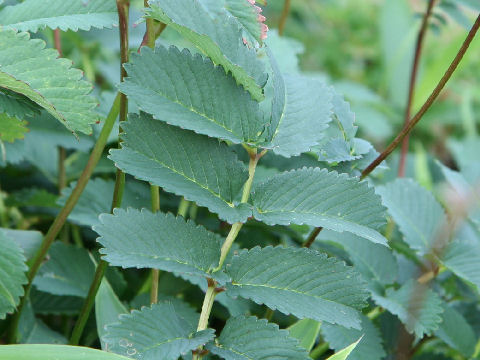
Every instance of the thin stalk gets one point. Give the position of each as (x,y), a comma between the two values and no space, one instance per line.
(283,17)
(413,80)
(88,304)
(36,261)
(433,96)
(123,7)
(57,40)
(232,235)
(62,177)
(311,238)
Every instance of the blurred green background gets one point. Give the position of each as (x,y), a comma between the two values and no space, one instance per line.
(366,49)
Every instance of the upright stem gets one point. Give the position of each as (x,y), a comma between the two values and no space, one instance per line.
(232,235)
(207,306)
(59,221)
(235,229)
(88,304)
(283,17)
(123,7)
(411,124)
(413,80)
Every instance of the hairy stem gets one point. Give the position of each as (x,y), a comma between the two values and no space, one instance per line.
(123,7)
(36,261)
(411,124)
(413,80)
(283,17)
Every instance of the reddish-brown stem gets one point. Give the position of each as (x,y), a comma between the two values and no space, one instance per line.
(311,238)
(57,41)
(433,96)
(411,88)
(283,17)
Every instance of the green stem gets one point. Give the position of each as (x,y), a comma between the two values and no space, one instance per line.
(205,314)
(207,305)
(433,96)
(232,235)
(235,229)
(123,7)
(88,304)
(36,261)
(183,208)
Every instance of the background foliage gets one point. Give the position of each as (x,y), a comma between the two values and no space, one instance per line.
(416,299)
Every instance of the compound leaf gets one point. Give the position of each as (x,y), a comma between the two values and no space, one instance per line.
(134,238)
(156,332)
(33,15)
(194,166)
(320,198)
(12,275)
(302,282)
(245,338)
(218,36)
(27,68)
